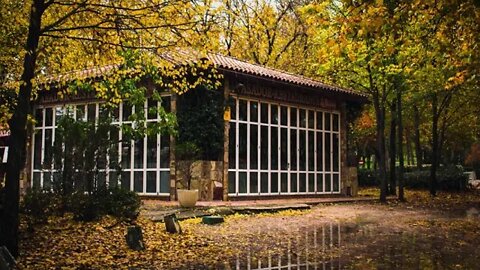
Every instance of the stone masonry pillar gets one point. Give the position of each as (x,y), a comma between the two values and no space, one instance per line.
(226,133)
(173,171)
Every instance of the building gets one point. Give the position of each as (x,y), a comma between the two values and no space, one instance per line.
(284,135)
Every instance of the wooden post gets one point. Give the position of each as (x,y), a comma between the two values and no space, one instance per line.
(226,133)
(173,170)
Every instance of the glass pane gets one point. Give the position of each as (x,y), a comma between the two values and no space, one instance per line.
(274,148)
(319,152)
(274,114)
(319,120)
(151,182)
(336,183)
(327,121)
(102,180)
(311,151)
(303,182)
(138,183)
(335,152)
(232,146)
(253,111)
(328,160)
(152,108)
(152,151)
(47,159)
(284,182)
(264,113)
(59,112)
(164,151)
(138,154)
(47,181)
(112,179)
(319,182)
(253,147)
(91,115)
(311,182)
(293,150)
(242,182)
(274,183)
(242,110)
(283,149)
(264,155)
(80,113)
(335,122)
(283,115)
(102,112)
(293,117)
(37,152)
(293,182)
(166,103)
(116,114)
(125,181)
(303,150)
(231,182)
(264,182)
(126,156)
(39,117)
(164,182)
(242,146)
(311,119)
(48,117)
(127,111)
(303,118)
(113,151)
(36,180)
(328,183)
(254,182)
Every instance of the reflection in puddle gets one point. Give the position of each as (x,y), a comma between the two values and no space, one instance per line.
(308,249)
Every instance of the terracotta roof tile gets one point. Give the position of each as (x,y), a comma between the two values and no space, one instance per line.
(227,63)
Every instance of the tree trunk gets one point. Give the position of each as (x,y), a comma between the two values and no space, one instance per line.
(409,147)
(434,157)
(401,195)
(18,133)
(380,130)
(418,147)
(393,127)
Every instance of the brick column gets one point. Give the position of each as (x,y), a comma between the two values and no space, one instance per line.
(226,133)
(173,171)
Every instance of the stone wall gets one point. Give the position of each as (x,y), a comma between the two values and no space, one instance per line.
(351,181)
(205,176)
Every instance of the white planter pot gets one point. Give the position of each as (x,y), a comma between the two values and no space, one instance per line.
(187,198)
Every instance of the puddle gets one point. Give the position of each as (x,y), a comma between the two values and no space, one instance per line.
(352,246)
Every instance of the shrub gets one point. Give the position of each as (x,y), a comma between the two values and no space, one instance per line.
(120,203)
(38,205)
(367,178)
(85,207)
(123,204)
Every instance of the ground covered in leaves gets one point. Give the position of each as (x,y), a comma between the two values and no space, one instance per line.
(424,233)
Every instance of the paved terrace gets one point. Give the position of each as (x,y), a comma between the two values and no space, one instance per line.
(157,209)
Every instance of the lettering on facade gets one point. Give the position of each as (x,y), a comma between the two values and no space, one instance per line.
(287,95)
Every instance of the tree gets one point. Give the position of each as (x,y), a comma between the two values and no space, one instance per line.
(67,31)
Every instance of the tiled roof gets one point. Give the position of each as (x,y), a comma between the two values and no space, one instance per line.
(226,63)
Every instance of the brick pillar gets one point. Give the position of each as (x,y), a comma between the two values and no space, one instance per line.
(173,170)
(344,181)
(226,133)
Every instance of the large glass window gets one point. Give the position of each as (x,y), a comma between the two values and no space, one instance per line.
(145,162)
(283,150)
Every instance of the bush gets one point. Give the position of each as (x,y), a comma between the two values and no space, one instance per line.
(38,205)
(123,204)
(120,203)
(367,178)
(450,178)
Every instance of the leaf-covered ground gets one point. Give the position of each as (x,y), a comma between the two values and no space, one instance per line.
(424,233)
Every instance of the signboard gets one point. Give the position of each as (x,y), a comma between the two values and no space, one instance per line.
(226,114)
